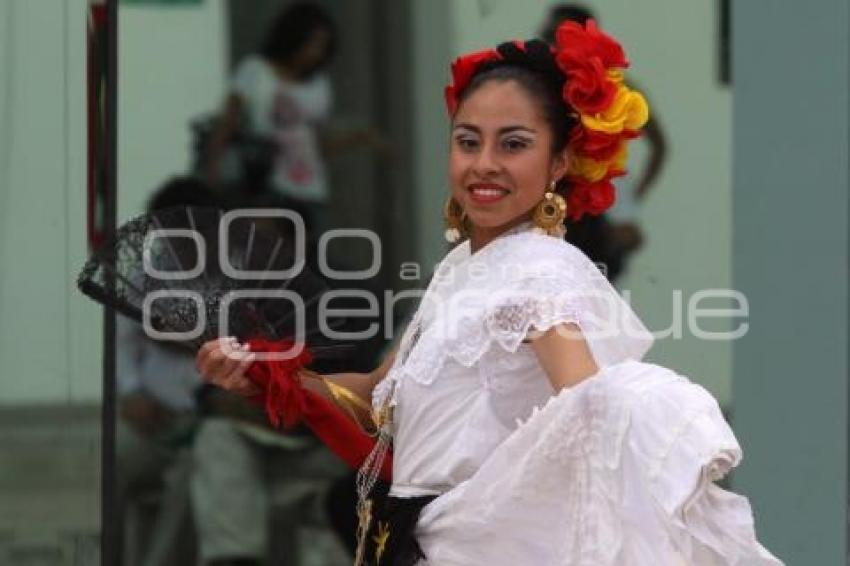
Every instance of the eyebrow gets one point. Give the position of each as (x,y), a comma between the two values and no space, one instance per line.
(504,130)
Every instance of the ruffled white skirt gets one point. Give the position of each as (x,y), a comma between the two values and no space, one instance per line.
(618,470)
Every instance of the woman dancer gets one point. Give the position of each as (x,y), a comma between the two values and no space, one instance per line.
(525,429)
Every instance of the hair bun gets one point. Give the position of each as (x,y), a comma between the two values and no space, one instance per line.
(533,54)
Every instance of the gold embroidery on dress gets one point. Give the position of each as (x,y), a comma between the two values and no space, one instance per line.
(381,540)
(364,520)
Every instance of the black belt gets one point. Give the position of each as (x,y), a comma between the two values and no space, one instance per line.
(390,541)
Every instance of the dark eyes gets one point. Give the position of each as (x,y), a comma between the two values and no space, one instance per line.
(510,144)
(515,144)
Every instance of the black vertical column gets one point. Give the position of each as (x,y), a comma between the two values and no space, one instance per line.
(110,514)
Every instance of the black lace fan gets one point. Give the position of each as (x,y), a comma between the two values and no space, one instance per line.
(194,274)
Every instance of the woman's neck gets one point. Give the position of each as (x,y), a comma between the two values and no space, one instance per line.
(480,236)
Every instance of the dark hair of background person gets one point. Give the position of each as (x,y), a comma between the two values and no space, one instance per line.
(560,13)
(183,191)
(291,30)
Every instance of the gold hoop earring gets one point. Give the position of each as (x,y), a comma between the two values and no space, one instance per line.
(550,213)
(455,220)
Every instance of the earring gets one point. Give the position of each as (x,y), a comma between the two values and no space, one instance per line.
(455,220)
(550,213)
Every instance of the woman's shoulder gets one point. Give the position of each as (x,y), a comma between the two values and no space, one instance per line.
(530,254)
(252,63)
(251,72)
(534,240)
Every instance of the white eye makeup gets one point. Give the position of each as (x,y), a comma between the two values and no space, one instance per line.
(515,144)
(514,138)
(466,140)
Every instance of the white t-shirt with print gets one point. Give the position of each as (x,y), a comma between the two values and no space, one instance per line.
(289,112)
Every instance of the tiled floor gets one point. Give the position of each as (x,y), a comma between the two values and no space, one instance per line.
(50,492)
(49,486)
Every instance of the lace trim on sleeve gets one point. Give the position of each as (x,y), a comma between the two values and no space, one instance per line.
(510,322)
(532,282)
(504,320)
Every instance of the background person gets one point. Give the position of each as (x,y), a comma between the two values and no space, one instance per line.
(282,93)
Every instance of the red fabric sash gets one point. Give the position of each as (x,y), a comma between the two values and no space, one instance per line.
(287,402)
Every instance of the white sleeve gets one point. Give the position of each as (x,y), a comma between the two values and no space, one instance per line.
(246,78)
(616,470)
(548,282)
(526,281)
(326,95)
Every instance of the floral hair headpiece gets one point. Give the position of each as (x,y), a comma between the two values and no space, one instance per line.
(609,113)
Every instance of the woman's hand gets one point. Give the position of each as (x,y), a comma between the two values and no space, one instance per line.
(223,362)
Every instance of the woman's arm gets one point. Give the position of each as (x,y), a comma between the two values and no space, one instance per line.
(228,372)
(225,126)
(362,384)
(564,355)
(657,156)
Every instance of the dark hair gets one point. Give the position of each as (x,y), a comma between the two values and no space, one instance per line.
(562,13)
(182,191)
(535,71)
(293,28)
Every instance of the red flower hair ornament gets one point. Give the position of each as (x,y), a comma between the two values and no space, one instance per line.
(463,69)
(576,42)
(591,198)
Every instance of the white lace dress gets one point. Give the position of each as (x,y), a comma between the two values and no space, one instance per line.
(618,470)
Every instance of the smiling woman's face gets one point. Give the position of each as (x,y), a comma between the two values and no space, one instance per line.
(501,160)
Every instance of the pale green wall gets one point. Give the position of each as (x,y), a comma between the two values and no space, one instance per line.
(172,68)
(687,220)
(433,46)
(49,334)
